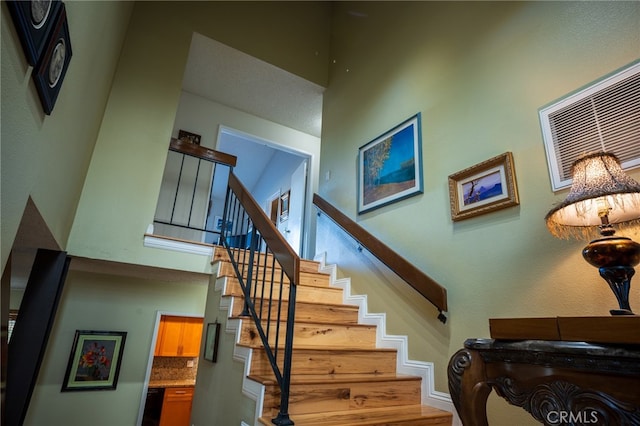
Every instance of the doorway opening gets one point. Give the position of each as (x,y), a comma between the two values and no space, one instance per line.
(277,178)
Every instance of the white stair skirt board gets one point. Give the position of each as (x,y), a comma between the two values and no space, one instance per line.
(430,396)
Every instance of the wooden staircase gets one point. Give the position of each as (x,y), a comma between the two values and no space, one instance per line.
(339,377)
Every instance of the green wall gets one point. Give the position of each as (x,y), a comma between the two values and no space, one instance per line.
(112,123)
(478,72)
(123,181)
(218,398)
(46,157)
(109,303)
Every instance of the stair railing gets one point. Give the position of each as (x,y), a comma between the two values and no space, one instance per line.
(193,190)
(423,284)
(268,271)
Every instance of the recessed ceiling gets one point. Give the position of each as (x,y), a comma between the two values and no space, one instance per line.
(230,77)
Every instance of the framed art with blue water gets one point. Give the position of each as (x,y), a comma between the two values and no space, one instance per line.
(390,166)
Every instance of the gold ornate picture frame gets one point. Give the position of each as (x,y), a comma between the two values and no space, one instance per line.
(483,188)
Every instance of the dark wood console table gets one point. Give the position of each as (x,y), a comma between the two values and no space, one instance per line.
(563,371)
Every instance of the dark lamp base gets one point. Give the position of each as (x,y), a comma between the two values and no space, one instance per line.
(615,258)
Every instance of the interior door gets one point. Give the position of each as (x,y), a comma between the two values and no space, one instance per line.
(293,232)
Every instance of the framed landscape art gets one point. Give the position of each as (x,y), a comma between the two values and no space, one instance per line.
(390,166)
(483,188)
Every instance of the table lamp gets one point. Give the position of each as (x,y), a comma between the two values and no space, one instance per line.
(602,196)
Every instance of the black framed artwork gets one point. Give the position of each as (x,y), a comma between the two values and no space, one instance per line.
(94,362)
(185,136)
(34,20)
(212,339)
(50,71)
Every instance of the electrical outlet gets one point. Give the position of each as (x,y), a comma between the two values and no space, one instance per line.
(190,364)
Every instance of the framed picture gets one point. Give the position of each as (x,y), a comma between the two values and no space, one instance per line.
(211,341)
(94,362)
(52,67)
(185,136)
(284,206)
(34,21)
(390,166)
(483,188)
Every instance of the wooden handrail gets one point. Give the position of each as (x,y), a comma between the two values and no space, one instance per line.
(198,151)
(286,256)
(265,238)
(423,284)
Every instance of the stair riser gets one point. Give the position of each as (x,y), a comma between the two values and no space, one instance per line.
(306,278)
(406,415)
(304,312)
(335,336)
(319,398)
(220,254)
(303,294)
(308,361)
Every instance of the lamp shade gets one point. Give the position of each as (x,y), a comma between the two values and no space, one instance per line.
(600,189)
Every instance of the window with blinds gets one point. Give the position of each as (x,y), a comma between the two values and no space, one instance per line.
(603,117)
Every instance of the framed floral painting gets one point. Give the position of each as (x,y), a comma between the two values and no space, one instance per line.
(94,362)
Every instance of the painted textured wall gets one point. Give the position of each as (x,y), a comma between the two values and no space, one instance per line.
(218,397)
(47,157)
(478,72)
(123,181)
(109,303)
(208,117)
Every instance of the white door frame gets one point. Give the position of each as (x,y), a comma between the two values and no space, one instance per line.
(309,219)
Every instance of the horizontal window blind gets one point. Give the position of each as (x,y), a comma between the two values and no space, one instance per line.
(603,117)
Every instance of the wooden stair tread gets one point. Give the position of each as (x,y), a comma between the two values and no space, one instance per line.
(305,310)
(298,303)
(286,283)
(306,265)
(318,347)
(310,323)
(401,415)
(305,293)
(338,378)
(317,279)
(340,349)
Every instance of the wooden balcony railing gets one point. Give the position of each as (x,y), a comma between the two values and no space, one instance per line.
(190,200)
(423,284)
